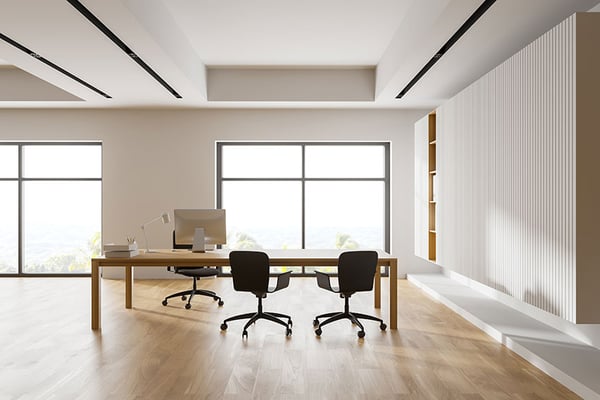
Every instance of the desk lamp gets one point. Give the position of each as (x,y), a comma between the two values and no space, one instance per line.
(165,220)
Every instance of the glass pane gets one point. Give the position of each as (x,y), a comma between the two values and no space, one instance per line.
(345,161)
(9,161)
(263,215)
(345,215)
(261,161)
(61,224)
(9,236)
(62,161)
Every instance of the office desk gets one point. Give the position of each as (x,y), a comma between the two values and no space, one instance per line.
(220,258)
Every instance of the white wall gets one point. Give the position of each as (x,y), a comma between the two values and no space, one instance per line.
(155,160)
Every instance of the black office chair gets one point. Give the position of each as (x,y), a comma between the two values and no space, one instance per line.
(195,273)
(356,272)
(250,272)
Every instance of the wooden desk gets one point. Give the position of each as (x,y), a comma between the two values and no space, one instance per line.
(220,258)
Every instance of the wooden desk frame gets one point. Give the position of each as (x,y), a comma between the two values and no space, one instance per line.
(220,258)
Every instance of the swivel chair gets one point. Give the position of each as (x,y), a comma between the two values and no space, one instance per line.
(250,272)
(194,273)
(356,272)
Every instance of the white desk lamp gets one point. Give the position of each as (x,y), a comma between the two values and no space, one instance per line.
(165,220)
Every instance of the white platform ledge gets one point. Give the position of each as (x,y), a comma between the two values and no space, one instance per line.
(574,364)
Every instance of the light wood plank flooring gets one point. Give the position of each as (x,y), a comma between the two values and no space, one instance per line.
(48,351)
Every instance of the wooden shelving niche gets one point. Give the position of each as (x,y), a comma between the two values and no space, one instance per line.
(432,187)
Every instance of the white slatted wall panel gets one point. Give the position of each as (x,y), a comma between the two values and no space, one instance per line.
(506,176)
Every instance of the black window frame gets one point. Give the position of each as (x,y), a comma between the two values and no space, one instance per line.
(303,179)
(20,180)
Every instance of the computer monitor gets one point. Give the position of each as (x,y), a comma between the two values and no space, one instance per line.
(211,220)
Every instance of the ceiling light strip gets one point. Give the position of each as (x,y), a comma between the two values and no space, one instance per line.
(461,31)
(115,39)
(51,64)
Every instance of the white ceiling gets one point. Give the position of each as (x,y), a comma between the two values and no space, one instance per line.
(261,53)
(298,33)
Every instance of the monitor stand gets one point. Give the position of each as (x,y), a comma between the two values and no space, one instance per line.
(198,245)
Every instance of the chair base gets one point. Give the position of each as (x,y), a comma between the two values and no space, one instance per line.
(191,293)
(346,314)
(255,316)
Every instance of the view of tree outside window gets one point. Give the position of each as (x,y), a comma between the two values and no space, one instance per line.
(304,195)
(55,227)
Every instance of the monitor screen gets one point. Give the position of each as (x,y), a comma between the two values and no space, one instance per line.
(212,220)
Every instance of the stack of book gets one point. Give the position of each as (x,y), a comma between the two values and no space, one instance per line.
(112,250)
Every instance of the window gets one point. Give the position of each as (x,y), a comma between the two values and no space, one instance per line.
(51,194)
(304,195)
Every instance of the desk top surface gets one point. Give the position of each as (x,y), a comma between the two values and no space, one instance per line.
(221,257)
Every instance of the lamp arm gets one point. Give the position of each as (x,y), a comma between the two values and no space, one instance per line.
(145,237)
(151,221)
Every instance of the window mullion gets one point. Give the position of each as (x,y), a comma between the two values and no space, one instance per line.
(303,211)
(20,211)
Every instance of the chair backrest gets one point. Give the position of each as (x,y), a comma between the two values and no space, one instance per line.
(250,271)
(356,271)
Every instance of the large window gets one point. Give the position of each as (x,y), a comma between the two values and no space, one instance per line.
(51,199)
(304,195)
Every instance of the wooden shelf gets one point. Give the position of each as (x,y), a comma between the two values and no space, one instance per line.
(427,183)
(432,176)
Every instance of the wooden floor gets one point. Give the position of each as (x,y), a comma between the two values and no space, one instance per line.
(48,351)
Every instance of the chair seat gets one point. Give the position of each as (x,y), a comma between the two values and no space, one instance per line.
(197,272)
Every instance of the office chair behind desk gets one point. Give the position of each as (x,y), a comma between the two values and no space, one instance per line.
(195,273)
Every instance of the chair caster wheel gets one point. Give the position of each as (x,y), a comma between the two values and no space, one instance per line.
(288,332)
(316,322)
(183,298)
(221,302)
(164,303)
(188,306)
(223,326)
(361,334)
(383,326)
(318,332)
(245,334)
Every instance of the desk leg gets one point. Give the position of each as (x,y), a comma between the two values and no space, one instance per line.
(128,286)
(95,295)
(378,287)
(394,294)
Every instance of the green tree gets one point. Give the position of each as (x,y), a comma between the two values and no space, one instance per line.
(76,260)
(345,241)
(243,241)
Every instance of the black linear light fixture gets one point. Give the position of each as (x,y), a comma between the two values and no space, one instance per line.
(104,29)
(51,64)
(461,31)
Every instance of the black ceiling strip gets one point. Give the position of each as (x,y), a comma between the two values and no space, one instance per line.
(51,64)
(464,27)
(104,29)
